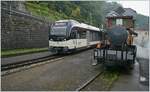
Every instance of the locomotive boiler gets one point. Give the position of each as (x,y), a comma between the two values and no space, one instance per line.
(117,35)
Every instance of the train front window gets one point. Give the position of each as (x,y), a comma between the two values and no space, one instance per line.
(58,31)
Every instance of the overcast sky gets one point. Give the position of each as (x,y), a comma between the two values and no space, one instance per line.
(141,7)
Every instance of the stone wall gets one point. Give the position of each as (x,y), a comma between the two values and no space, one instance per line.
(19,29)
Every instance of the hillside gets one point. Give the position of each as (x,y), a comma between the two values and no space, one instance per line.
(92,13)
(142,22)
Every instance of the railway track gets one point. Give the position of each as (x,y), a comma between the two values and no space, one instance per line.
(26,62)
(16,67)
(23,65)
(81,87)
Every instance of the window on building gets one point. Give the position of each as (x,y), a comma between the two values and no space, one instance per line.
(119,22)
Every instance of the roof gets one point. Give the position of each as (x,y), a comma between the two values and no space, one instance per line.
(80,25)
(69,20)
(86,26)
(122,12)
(129,12)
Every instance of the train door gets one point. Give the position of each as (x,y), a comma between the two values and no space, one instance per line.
(75,40)
(81,38)
(78,38)
(73,37)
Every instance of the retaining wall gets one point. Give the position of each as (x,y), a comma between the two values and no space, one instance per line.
(20,29)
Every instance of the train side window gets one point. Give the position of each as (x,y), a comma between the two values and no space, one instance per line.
(82,34)
(93,36)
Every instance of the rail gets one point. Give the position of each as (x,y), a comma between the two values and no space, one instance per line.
(23,65)
(81,87)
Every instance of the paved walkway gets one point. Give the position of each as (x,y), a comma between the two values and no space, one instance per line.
(129,81)
(138,79)
(143,46)
(15,59)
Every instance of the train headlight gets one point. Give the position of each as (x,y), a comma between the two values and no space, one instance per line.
(51,39)
(64,39)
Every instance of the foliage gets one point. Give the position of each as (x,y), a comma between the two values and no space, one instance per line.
(110,76)
(82,11)
(142,22)
(14,52)
(43,10)
(90,12)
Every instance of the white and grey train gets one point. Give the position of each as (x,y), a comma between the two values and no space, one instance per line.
(70,35)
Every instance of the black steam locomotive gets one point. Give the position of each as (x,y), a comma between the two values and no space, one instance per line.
(116,46)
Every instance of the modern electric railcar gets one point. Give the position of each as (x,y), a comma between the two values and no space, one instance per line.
(70,35)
